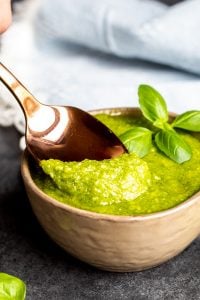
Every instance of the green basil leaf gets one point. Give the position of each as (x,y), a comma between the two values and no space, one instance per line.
(189,120)
(11,287)
(137,140)
(152,105)
(173,146)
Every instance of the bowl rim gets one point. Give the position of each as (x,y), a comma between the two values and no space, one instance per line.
(26,175)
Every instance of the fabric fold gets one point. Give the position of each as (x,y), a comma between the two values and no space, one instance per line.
(144,29)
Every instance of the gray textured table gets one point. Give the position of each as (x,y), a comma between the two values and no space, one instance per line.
(52,274)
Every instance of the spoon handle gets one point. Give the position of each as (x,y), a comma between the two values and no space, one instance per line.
(25,99)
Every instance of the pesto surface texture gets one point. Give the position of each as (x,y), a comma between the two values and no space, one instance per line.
(126,185)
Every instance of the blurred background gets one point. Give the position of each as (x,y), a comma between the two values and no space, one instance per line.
(94,54)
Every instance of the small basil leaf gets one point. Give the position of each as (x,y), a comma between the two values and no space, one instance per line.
(189,120)
(152,104)
(137,140)
(11,287)
(173,146)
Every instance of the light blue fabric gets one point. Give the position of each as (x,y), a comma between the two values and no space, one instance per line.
(144,29)
(95,53)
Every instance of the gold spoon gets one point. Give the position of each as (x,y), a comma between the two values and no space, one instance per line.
(61,132)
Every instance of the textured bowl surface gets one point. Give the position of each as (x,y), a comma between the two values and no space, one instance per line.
(115,243)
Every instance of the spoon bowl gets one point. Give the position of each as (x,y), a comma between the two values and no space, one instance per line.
(61,132)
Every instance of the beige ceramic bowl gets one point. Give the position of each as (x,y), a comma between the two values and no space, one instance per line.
(115,243)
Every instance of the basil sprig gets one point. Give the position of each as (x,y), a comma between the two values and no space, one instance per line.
(168,141)
(11,287)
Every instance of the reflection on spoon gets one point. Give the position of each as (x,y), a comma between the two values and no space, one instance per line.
(61,132)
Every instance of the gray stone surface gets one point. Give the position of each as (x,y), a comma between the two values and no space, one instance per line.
(50,273)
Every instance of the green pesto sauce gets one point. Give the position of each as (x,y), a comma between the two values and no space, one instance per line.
(126,185)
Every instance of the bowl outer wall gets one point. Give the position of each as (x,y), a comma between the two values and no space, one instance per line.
(115,243)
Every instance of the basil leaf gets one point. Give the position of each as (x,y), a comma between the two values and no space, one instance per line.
(137,140)
(11,287)
(173,146)
(189,120)
(152,105)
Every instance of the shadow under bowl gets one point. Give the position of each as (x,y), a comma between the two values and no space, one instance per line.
(115,243)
